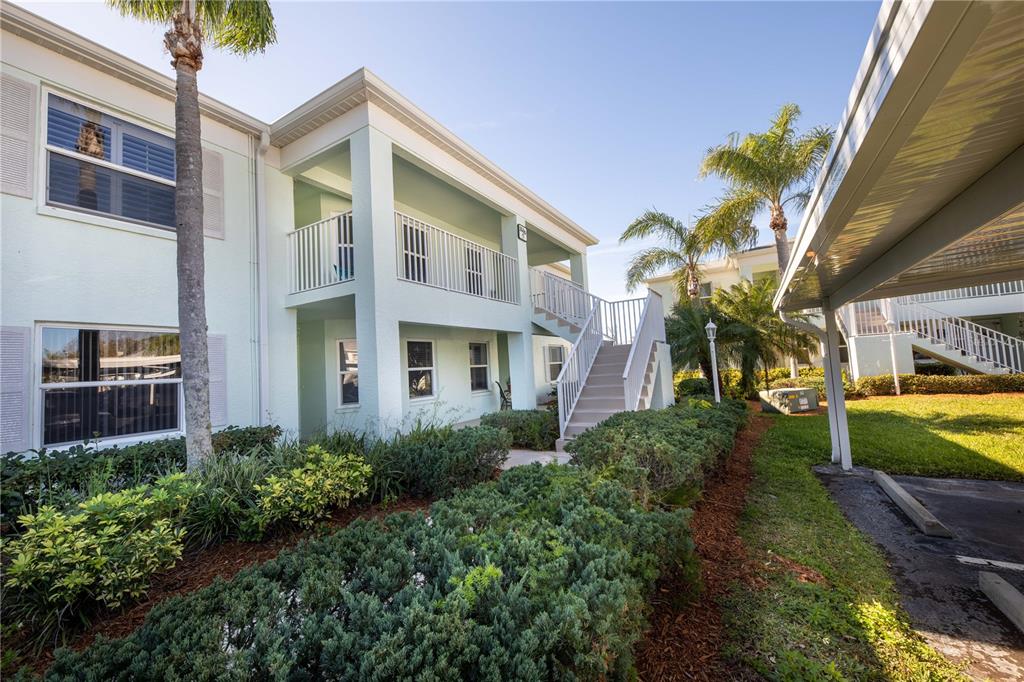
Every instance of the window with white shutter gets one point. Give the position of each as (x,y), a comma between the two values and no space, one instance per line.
(15,345)
(213,194)
(17,135)
(217,354)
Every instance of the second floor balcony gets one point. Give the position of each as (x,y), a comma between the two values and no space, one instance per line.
(323,254)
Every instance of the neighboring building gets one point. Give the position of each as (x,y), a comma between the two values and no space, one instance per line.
(992,315)
(365,267)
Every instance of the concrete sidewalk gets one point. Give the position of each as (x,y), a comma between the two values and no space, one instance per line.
(517,458)
(937,578)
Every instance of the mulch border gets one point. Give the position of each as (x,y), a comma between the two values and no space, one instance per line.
(685,639)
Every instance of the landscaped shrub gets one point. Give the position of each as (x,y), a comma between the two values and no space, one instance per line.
(305,495)
(531,429)
(436,461)
(66,562)
(674,446)
(543,574)
(922,383)
(226,502)
(693,386)
(64,478)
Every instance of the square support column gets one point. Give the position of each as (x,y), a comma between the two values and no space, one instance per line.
(839,431)
(578,270)
(373,225)
(520,345)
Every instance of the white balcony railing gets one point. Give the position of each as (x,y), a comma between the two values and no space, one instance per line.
(437,258)
(1011,288)
(321,254)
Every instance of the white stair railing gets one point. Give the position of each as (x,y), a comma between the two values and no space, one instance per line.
(321,254)
(560,296)
(577,366)
(984,344)
(868,318)
(650,330)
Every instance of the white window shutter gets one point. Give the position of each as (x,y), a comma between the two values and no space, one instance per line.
(217,350)
(213,194)
(15,351)
(17,135)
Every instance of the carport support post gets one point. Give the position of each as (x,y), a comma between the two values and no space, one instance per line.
(837,426)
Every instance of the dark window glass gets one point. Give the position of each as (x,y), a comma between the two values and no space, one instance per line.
(77,133)
(80,184)
(348,368)
(421,354)
(147,156)
(77,414)
(478,366)
(421,383)
(420,358)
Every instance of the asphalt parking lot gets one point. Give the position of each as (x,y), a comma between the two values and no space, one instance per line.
(938,577)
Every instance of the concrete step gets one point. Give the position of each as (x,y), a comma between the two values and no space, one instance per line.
(604,381)
(595,401)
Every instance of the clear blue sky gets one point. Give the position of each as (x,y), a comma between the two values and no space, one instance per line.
(602,109)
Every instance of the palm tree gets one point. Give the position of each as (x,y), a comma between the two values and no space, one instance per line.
(766,337)
(764,171)
(242,27)
(682,252)
(688,339)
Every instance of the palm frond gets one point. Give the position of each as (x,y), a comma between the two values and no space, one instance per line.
(654,222)
(239,26)
(728,225)
(648,263)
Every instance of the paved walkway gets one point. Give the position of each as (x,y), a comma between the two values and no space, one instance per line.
(938,578)
(517,458)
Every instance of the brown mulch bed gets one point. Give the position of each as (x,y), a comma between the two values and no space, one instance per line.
(199,568)
(685,640)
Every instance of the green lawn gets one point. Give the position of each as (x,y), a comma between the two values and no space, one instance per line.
(825,606)
(962,436)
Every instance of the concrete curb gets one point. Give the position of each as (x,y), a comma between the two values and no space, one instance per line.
(922,518)
(1004,595)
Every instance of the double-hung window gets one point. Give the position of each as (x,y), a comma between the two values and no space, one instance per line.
(100,164)
(555,360)
(348,372)
(478,369)
(108,383)
(420,367)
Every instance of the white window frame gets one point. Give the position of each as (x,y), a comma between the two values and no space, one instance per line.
(341,373)
(39,388)
(486,366)
(432,368)
(83,215)
(711,291)
(548,364)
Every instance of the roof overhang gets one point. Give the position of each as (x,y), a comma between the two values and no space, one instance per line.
(923,188)
(364,87)
(40,31)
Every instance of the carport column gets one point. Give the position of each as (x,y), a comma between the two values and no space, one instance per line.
(373,225)
(578,270)
(837,426)
(520,343)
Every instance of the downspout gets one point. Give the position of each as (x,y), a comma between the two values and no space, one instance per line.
(261,279)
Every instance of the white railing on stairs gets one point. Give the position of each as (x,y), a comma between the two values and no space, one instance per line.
(650,330)
(321,254)
(868,318)
(1011,288)
(576,368)
(560,296)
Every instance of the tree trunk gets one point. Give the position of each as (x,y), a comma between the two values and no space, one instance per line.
(767,383)
(779,225)
(188,208)
(693,287)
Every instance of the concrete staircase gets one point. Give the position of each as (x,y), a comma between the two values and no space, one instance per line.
(949,355)
(553,324)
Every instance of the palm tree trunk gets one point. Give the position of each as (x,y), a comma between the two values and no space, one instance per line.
(779,224)
(188,207)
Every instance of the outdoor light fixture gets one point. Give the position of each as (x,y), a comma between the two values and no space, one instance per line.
(710,328)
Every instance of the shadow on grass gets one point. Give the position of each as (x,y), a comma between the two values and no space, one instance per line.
(921,445)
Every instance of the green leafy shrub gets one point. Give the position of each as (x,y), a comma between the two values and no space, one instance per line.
(305,495)
(674,446)
(226,501)
(64,478)
(436,461)
(543,574)
(104,553)
(693,386)
(531,429)
(922,383)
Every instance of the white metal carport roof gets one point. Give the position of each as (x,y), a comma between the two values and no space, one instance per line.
(923,188)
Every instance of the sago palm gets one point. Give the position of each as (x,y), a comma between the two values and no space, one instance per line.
(242,27)
(681,251)
(763,171)
(767,338)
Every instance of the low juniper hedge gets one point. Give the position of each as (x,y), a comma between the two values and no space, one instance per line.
(530,429)
(66,477)
(542,574)
(673,447)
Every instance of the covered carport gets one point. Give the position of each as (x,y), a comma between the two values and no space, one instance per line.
(923,188)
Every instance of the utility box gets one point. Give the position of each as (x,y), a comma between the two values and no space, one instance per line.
(789,400)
